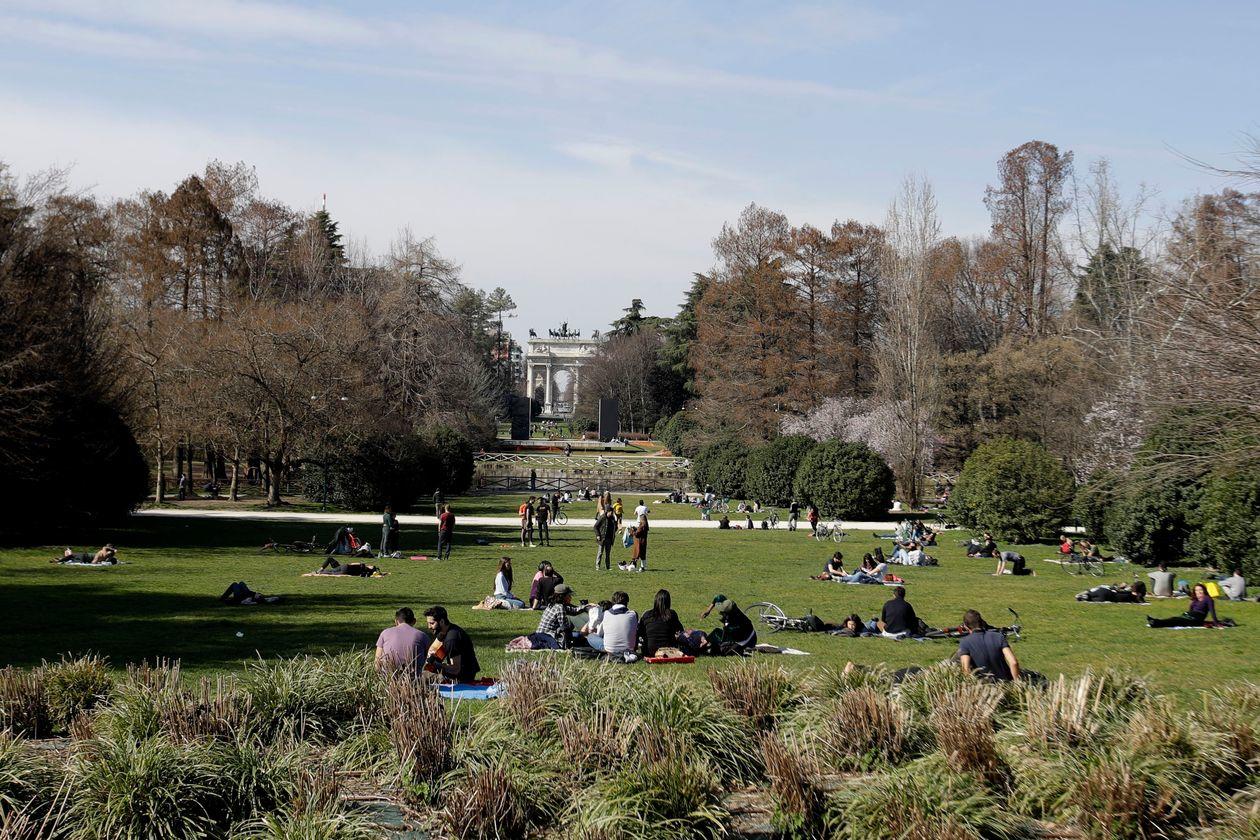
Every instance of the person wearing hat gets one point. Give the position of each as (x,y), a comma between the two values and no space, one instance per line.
(554,629)
(736,635)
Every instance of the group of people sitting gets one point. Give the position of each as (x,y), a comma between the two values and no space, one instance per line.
(873,569)
(914,531)
(612,630)
(106,556)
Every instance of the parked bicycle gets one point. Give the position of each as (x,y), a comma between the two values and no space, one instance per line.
(561,518)
(832,530)
(1079,564)
(773,617)
(295,547)
(772,519)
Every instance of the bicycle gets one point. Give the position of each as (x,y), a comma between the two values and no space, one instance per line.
(772,616)
(560,518)
(295,547)
(1078,564)
(830,531)
(1014,632)
(721,505)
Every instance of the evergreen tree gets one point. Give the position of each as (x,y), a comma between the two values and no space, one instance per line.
(324,224)
(1108,282)
(631,322)
(679,335)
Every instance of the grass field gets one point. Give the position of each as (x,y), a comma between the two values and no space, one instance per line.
(163,602)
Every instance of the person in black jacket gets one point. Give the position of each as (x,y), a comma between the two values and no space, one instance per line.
(737,635)
(659,627)
(605,536)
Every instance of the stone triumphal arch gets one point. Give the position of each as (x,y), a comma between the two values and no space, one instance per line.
(553,368)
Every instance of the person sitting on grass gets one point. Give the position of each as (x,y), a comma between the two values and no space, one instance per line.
(1011,563)
(402,649)
(871,571)
(107,556)
(1090,550)
(736,636)
(724,524)
(1235,586)
(1161,582)
(898,620)
(1196,615)
(1118,593)
(545,583)
(452,655)
(833,569)
(333,566)
(554,629)
(748,522)
(1065,545)
(593,630)
(619,630)
(985,652)
(503,585)
(982,547)
(659,627)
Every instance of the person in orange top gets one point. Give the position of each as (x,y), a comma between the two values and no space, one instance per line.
(527,522)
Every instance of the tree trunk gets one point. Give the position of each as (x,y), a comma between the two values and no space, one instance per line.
(236,468)
(273,490)
(159,489)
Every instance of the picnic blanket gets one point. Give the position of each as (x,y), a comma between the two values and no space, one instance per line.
(868,583)
(348,577)
(670,660)
(480,690)
(1223,624)
(83,565)
(764,648)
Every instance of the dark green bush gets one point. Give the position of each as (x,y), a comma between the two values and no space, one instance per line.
(1149,524)
(452,453)
(1015,489)
(1093,499)
(724,465)
(371,472)
(676,433)
(772,468)
(847,480)
(1229,519)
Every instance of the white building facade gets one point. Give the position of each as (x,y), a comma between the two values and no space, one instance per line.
(553,369)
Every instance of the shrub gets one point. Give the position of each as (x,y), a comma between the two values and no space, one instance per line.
(371,472)
(758,692)
(963,726)
(420,730)
(772,468)
(1013,488)
(1239,821)
(1229,519)
(923,800)
(1149,524)
(313,696)
(1233,712)
(24,703)
(661,797)
(529,687)
(1092,502)
(695,721)
(794,773)
(846,480)
(312,813)
(452,454)
(724,465)
(74,686)
(486,802)
(27,780)
(676,433)
(864,728)
(154,700)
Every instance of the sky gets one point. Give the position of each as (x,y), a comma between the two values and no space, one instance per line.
(584,154)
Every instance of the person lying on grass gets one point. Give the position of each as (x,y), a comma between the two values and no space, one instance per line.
(402,649)
(1196,614)
(107,556)
(451,655)
(985,651)
(240,595)
(852,627)
(736,636)
(1119,593)
(333,566)
(1011,563)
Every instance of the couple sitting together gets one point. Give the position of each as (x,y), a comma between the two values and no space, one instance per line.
(872,570)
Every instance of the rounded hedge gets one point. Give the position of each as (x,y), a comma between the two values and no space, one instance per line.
(724,465)
(676,431)
(1149,524)
(772,468)
(845,480)
(1229,519)
(1014,489)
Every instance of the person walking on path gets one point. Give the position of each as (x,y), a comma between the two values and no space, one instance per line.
(794,515)
(605,535)
(543,515)
(183,487)
(389,532)
(438,501)
(446,533)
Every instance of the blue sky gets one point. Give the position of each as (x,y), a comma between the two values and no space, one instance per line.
(580,154)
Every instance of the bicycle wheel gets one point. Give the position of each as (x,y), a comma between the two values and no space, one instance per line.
(770,615)
(562,518)
(1094,567)
(837,533)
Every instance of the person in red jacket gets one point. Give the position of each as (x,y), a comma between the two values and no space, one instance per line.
(446,531)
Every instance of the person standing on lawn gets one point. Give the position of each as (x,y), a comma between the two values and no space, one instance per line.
(543,514)
(389,533)
(438,501)
(527,522)
(605,536)
(446,533)
(638,556)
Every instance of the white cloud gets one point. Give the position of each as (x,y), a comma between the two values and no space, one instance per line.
(92,40)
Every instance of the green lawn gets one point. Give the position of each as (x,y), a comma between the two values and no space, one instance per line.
(163,602)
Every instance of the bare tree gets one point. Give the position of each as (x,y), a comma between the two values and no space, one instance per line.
(907,354)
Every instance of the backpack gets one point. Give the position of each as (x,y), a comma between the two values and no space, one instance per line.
(627,539)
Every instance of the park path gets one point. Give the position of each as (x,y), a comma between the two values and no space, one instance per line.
(411,519)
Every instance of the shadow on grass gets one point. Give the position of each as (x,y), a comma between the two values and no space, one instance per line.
(65,616)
